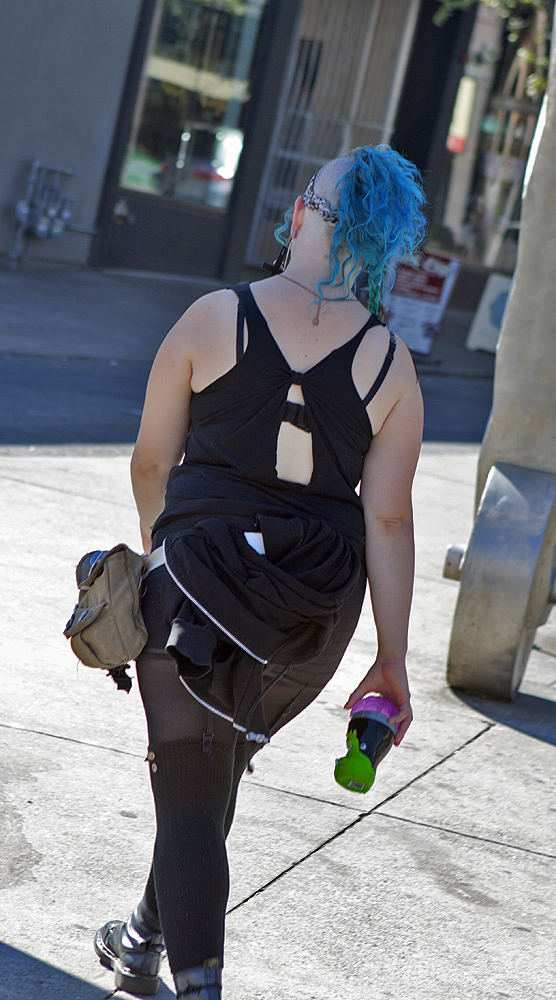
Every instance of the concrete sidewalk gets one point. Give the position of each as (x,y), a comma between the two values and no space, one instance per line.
(439,884)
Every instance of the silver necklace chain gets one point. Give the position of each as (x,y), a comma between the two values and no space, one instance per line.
(324,298)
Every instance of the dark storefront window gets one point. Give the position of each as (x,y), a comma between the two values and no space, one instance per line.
(187,134)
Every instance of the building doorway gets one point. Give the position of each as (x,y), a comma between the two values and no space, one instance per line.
(180,137)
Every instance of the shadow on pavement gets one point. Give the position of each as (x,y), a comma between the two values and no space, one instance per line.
(527,714)
(27,977)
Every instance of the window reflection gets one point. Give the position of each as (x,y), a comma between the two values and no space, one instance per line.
(187,134)
(477,212)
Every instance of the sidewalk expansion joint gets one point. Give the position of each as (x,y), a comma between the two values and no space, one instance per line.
(469,836)
(438,477)
(296,864)
(303,795)
(355,822)
(438,763)
(57,489)
(70,739)
(546,652)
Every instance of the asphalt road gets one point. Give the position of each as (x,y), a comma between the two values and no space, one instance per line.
(70,401)
(78,401)
(76,347)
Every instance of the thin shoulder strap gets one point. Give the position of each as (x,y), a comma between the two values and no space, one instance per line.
(240,338)
(240,291)
(383,371)
(373,320)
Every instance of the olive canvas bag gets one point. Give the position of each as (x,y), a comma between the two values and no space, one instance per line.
(107,628)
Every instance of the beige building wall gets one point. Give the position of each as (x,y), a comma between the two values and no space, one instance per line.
(63,65)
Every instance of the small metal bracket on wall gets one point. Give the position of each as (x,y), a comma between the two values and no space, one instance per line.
(47,210)
(122,214)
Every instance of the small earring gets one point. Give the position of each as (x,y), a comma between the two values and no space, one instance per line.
(288,254)
(294,233)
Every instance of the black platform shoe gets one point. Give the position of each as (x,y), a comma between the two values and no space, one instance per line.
(202,983)
(134,949)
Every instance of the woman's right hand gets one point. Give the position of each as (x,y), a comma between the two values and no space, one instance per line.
(389,679)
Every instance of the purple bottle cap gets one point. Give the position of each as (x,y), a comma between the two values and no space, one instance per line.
(377,704)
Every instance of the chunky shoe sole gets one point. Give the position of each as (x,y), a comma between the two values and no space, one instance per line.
(124,980)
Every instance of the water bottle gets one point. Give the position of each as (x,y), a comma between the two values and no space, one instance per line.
(369,737)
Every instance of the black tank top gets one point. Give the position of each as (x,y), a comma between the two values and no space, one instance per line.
(229,469)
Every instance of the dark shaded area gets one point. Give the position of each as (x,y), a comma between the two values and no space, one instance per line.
(58,401)
(27,976)
(62,311)
(76,347)
(435,67)
(527,714)
(421,97)
(78,401)
(456,409)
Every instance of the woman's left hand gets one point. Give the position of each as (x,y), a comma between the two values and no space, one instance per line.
(389,679)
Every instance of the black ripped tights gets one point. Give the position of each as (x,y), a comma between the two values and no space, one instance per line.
(196,763)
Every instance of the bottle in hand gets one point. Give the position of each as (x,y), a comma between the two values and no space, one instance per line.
(369,737)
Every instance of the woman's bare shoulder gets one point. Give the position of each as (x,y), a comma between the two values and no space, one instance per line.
(210,307)
(205,320)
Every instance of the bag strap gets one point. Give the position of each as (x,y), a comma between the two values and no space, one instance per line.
(154,560)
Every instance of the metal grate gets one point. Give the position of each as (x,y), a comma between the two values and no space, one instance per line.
(342,90)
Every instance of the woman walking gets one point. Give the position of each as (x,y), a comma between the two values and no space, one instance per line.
(282,396)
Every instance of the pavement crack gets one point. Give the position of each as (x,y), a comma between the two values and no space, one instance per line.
(451,480)
(69,739)
(469,836)
(430,577)
(428,770)
(546,652)
(296,864)
(302,795)
(58,489)
(355,822)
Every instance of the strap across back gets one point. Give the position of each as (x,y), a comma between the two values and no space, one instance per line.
(383,371)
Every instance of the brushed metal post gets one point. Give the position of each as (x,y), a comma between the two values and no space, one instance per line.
(507,581)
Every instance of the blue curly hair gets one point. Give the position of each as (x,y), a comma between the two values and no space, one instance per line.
(381,220)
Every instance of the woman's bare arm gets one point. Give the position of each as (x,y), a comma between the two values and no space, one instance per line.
(388,472)
(164,427)
(199,348)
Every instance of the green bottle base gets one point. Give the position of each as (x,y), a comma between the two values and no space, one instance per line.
(354,771)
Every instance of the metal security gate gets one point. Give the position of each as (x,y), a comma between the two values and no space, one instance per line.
(342,90)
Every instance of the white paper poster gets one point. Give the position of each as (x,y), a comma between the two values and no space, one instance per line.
(418,299)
